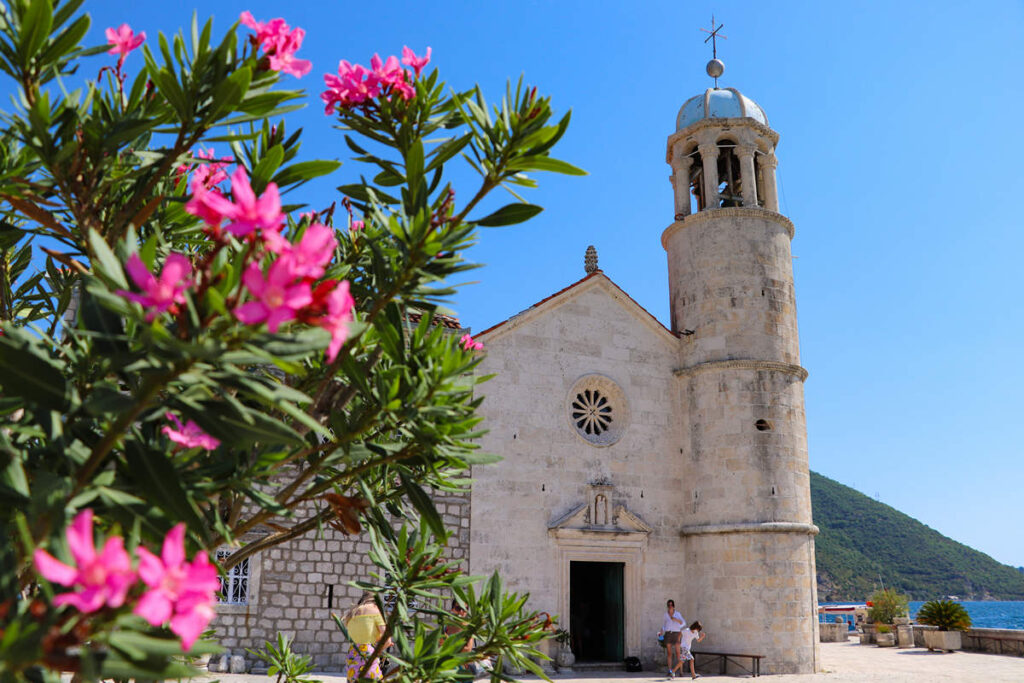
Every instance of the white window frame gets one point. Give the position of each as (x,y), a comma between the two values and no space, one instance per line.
(250,598)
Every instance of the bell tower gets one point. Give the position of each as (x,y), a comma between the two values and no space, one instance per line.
(747,534)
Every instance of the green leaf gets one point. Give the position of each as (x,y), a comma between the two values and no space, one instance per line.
(447,150)
(104,400)
(67,40)
(510,215)
(35,27)
(230,92)
(414,162)
(104,261)
(27,370)
(158,482)
(14,484)
(546,164)
(267,166)
(305,170)
(424,505)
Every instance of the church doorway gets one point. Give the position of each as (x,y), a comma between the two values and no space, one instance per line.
(596,614)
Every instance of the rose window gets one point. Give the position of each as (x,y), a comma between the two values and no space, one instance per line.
(592,412)
(596,409)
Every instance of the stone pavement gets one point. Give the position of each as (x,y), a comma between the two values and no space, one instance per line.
(841,663)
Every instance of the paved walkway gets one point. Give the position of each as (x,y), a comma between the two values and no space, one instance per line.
(841,663)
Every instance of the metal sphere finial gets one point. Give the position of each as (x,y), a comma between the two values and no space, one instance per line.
(715,68)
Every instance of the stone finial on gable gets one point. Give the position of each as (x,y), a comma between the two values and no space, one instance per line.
(590,260)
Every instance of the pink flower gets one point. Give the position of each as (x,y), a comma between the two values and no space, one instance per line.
(189,435)
(355,84)
(249,212)
(283,57)
(208,175)
(469,344)
(308,257)
(339,314)
(163,294)
(245,214)
(124,41)
(279,43)
(278,298)
(208,204)
(357,226)
(180,592)
(103,578)
(409,58)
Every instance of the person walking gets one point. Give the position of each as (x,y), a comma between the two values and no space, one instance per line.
(686,638)
(672,624)
(365,626)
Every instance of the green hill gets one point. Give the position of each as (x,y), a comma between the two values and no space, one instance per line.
(862,540)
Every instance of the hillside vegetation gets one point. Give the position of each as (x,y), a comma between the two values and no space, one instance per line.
(862,539)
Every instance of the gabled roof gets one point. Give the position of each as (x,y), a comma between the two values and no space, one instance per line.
(592,280)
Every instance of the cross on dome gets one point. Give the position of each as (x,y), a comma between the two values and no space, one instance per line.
(715,67)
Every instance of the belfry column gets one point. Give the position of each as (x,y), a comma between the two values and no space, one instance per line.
(681,183)
(771,195)
(709,158)
(746,155)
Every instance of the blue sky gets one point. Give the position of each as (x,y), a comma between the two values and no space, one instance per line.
(899,162)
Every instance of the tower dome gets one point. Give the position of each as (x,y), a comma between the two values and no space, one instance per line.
(719,103)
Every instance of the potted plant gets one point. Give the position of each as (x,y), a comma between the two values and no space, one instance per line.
(950,618)
(565,658)
(885,636)
(885,607)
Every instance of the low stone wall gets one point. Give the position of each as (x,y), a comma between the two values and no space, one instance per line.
(834,633)
(998,641)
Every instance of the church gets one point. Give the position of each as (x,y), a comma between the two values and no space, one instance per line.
(641,463)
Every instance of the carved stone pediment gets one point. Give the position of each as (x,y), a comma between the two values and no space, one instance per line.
(600,516)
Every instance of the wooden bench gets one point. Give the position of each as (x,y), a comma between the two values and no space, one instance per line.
(725,657)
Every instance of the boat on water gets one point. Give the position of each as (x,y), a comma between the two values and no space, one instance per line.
(954,598)
(854,615)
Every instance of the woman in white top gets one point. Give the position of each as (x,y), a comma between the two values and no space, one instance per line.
(687,637)
(672,624)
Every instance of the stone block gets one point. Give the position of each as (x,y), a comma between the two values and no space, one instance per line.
(237,665)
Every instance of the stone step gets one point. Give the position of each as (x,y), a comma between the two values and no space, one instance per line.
(599,666)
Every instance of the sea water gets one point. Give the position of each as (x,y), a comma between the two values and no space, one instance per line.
(987,614)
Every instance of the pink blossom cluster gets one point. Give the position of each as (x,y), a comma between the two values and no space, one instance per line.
(124,40)
(188,435)
(176,591)
(285,291)
(206,175)
(470,344)
(279,43)
(355,84)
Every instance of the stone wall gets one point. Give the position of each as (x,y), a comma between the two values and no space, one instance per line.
(997,641)
(548,468)
(296,586)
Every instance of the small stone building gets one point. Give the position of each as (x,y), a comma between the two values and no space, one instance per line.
(640,462)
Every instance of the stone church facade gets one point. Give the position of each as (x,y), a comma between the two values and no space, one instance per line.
(640,462)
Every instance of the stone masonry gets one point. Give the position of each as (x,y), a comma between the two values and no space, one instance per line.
(296,586)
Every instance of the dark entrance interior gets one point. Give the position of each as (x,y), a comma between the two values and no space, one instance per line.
(595,611)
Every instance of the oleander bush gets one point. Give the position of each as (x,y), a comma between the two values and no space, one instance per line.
(186,358)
